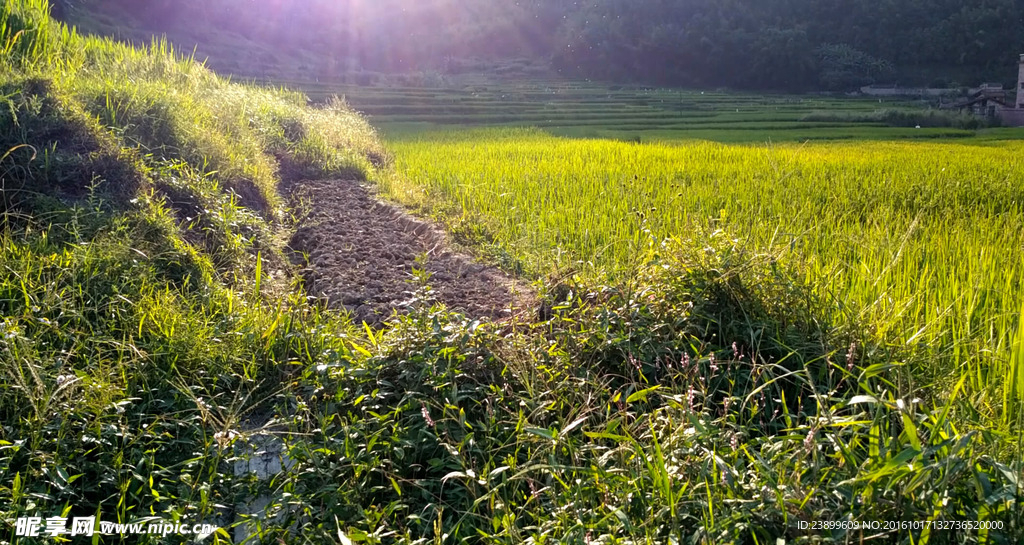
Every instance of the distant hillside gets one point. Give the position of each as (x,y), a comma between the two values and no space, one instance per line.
(792,45)
(835,45)
(325,39)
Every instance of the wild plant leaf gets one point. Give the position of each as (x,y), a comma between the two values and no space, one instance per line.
(603,435)
(497,471)
(910,428)
(541,432)
(572,426)
(641,395)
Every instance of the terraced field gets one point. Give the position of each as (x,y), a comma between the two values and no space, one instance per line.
(590,110)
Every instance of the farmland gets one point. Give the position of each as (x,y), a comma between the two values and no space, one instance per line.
(913,223)
(903,224)
(735,315)
(918,242)
(592,110)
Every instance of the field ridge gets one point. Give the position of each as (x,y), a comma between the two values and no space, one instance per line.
(370,258)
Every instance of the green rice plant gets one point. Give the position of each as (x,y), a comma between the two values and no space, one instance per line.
(591,110)
(911,240)
(1014,380)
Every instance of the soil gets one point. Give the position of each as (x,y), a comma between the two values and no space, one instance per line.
(361,254)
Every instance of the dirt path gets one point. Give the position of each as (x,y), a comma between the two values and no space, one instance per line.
(362,253)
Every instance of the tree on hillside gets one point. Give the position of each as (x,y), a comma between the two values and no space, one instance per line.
(787,44)
(845,67)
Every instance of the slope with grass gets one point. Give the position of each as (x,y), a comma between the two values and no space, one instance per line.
(146,303)
(152,325)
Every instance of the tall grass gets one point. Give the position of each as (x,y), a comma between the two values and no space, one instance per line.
(633,418)
(28,34)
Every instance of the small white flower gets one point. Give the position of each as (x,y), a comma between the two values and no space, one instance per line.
(224,438)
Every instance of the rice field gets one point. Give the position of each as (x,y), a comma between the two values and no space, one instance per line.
(919,243)
(636,113)
(912,237)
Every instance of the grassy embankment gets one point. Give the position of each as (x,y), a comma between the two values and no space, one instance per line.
(150,317)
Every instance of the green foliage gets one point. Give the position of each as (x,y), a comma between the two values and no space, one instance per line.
(791,45)
(58,149)
(906,118)
(787,45)
(844,67)
(709,291)
(795,45)
(146,306)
